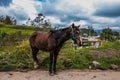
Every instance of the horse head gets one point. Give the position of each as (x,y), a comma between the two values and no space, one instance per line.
(75,34)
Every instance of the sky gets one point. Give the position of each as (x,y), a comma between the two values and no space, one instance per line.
(97,13)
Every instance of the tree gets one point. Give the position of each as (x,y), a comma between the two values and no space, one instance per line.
(115,35)
(2,18)
(14,21)
(88,32)
(109,35)
(91,31)
(39,21)
(8,19)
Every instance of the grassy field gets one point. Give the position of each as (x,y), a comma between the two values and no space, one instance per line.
(15,52)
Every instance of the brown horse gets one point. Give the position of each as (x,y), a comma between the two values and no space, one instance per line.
(52,42)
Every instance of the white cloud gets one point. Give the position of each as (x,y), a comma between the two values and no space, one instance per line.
(102,20)
(75,6)
(28,6)
(22,9)
(100,2)
(54,20)
(65,11)
(116,28)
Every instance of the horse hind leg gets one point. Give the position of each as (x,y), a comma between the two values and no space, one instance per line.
(35,60)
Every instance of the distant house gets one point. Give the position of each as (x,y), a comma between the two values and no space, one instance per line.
(92,41)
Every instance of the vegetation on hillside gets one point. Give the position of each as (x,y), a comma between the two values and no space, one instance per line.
(109,35)
(15,52)
(39,20)
(8,19)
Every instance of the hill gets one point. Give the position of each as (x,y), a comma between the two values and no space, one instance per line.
(25,30)
(15,52)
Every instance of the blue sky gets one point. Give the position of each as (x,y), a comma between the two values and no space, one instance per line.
(96,13)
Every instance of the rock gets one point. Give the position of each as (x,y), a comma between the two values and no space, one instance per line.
(96,64)
(93,77)
(113,67)
(90,67)
(68,63)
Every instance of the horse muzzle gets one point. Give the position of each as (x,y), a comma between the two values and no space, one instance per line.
(78,42)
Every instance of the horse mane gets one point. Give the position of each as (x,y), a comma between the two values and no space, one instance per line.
(57,33)
(63,29)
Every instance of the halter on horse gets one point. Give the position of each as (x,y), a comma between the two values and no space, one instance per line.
(52,42)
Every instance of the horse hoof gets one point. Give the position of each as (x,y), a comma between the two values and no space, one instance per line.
(36,67)
(55,73)
(51,74)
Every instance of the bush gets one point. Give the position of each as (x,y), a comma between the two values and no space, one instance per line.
(15,57)
(19,57)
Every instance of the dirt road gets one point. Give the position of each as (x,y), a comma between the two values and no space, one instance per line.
(62,75)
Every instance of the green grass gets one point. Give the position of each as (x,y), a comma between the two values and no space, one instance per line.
(106,45)
(12,30)
(19,57)
(16,56)
(24,30)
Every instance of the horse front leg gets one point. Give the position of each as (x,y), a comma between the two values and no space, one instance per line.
(51,62)
(55,61)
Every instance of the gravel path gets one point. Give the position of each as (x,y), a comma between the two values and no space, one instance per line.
(62,75)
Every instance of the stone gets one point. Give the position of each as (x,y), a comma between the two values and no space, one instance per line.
(96,64)
(114,67)
(68,63)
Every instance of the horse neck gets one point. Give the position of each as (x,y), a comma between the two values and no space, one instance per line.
(66,33)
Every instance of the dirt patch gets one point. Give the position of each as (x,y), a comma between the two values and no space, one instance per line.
(105,53)
(62,75)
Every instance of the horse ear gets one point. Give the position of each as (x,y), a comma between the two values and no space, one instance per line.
(79,26)
(73,25)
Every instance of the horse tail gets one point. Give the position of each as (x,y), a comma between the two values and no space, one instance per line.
(32,39)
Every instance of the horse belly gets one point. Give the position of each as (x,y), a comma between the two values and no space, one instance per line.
(42,46)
